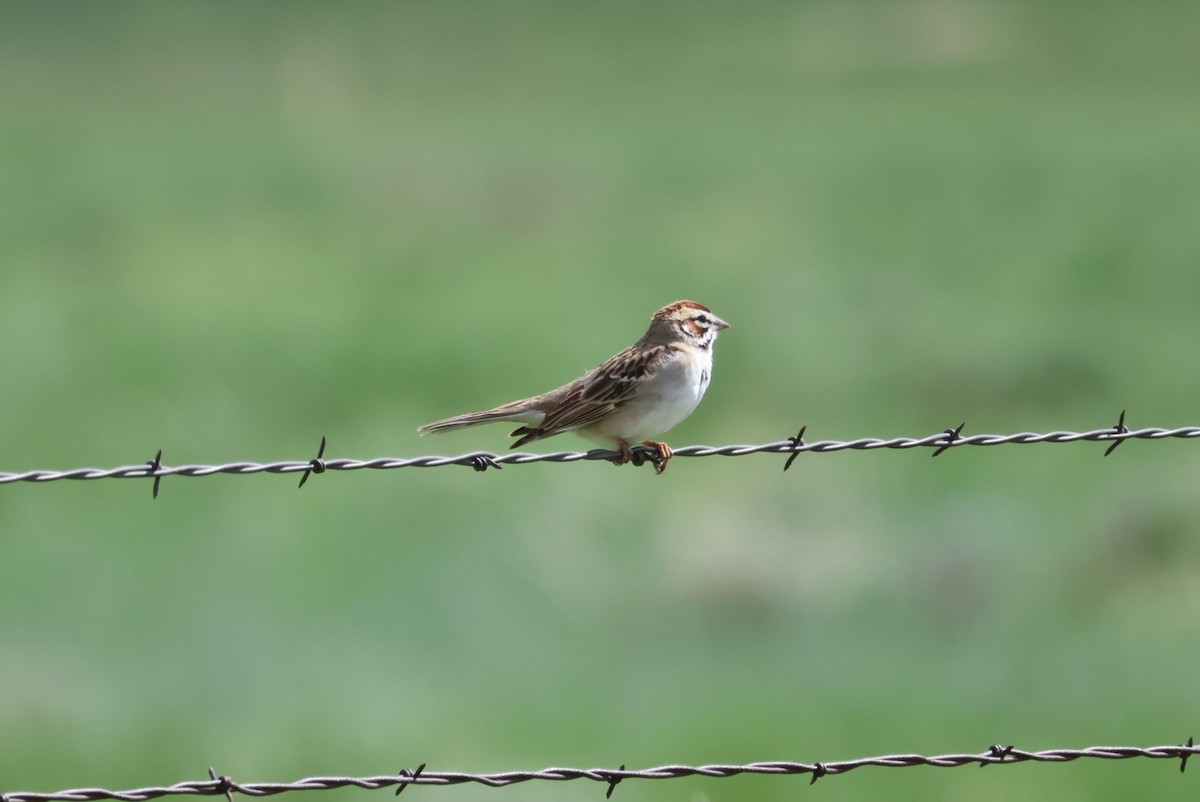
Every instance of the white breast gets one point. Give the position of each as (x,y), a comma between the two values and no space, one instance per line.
(662,401)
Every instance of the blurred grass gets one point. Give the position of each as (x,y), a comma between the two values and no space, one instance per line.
(231,229)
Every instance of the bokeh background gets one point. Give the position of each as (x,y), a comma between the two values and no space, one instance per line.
(231,229)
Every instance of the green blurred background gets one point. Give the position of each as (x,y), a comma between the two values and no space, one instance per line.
(231,229)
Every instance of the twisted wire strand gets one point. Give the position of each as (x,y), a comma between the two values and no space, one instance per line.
(995,755)
(480,460)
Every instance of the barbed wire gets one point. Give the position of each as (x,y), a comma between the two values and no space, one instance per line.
(224,785)
(482,460)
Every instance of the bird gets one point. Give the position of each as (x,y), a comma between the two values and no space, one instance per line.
(635,395)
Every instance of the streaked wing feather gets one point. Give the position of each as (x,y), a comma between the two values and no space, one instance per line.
(605,389)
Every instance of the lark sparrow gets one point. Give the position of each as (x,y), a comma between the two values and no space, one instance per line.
(637,394)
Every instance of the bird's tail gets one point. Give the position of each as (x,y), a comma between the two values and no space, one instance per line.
(516,412)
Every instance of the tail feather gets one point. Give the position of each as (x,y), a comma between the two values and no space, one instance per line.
(508,412)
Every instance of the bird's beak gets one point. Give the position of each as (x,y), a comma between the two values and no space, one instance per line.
(721,324)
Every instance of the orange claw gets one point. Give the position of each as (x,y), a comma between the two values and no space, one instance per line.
(664,455)
(662,451)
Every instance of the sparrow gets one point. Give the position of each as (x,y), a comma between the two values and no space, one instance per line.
(635,395)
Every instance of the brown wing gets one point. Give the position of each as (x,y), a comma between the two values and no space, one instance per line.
(600,392)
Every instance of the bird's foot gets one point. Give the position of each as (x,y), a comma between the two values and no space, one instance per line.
(626,455)
(664,454)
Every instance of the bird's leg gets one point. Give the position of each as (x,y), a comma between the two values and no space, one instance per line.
(664,454)
(627,454)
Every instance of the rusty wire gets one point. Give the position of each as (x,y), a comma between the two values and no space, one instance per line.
(995,755)
(940,442)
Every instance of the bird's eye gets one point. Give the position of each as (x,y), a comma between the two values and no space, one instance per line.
(702,320)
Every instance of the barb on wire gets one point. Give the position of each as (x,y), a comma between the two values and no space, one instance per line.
(155,466)
(796,440)
(316,465)
(952,436)
(407,776)
(223,785)
(1001,752)
(612,783)
(482,460)
(1120,428)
